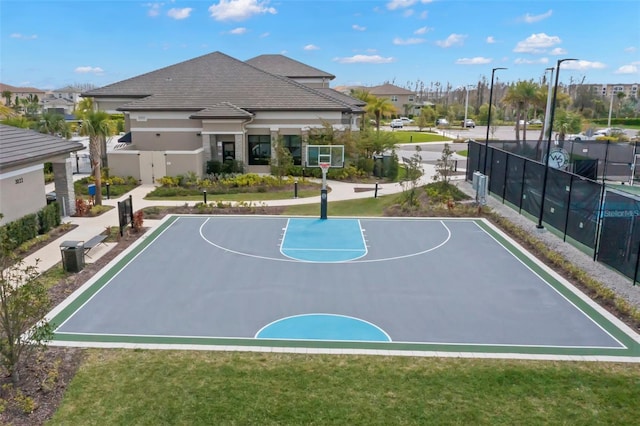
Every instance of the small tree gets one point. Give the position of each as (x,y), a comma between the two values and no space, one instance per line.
(23,303)
(413,173)
(283,160)
(444,166)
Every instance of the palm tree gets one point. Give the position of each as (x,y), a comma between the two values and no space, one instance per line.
(380,107)
(54,124)
(520,96)
(97,126)
(6,94)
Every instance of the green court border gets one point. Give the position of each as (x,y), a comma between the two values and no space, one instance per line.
(632,349)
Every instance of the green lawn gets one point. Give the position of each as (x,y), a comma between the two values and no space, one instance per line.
(362,207)
(118,387)
(418,137)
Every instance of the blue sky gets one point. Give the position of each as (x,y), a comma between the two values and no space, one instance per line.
(50,44)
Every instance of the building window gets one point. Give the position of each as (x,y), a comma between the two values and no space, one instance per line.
(410,98)
(228,151)
(394,98)
(259,150)
(294,144)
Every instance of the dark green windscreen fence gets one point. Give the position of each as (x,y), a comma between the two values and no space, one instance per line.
(607,226)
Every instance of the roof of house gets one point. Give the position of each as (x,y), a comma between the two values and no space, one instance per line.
(214,79)
(14,89)
(388,89)
(23,146)
(287,67)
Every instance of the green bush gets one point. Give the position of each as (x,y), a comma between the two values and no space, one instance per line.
(49,218)
(18,232)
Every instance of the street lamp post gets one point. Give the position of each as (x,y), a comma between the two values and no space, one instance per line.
(466,104)
(548,108)
(610,108)
(486,141)
(546,163)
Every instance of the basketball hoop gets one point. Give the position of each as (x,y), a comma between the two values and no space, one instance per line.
(324,167)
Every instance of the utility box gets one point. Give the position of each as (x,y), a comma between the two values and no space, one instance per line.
(72,256)
(91,189)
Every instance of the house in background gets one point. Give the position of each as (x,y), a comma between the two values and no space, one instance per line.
(215,107)
(22,157)
(19,93)
(402,99)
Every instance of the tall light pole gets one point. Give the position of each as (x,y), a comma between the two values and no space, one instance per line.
(548,108)
(610,108)
(466,104)
(546,163)
(486,141)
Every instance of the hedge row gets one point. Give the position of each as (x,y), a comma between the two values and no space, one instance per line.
(28,227)
(618,121)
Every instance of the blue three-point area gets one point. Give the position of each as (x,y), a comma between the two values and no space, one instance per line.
(317,240)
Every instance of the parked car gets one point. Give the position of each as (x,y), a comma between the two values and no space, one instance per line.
(469,123)
(577,137)
(442,122)
(406,120)
(535,121)
(608,131)
(397,123)
(51,197)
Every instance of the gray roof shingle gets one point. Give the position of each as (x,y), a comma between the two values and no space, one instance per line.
(23,146)
(287,67)
(213,79)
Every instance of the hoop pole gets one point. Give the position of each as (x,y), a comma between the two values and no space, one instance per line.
(323,191)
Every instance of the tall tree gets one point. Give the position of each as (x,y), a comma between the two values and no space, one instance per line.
(380,107)
(97,126)
(520,96)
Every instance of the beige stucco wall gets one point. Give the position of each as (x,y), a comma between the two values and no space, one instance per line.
(179,163)
(124,163)
(163,140)
(15,185)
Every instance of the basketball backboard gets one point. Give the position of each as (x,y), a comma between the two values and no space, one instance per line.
(332,154)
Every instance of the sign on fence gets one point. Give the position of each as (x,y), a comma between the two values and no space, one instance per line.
(125,213)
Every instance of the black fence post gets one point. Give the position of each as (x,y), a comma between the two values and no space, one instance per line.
(375,194)
(204,195)
(566,217)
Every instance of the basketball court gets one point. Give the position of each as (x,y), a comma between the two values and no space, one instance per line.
(445,287)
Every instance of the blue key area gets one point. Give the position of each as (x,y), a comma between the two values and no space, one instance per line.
(328,240)
(323,327)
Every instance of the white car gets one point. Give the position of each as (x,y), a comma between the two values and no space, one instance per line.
(442,122)
(406,120)
(397,123)
(577,137)
(608,131)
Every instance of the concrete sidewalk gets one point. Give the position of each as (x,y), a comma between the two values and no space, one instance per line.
(88,227)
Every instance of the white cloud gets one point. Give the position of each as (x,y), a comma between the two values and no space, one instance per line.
(88,70)
(452,40)
(522,61)
(364,59)
(238,31)
(239,10)
(403,42)
(490,40)
(478,60)
(23,36)
(582,65)
(422,30)
(179,13)
(630,49)
(358,27)
(265,35)
(558,51)
(537,43)
(154,9)
(403,4)
(530,19)
(311,47)
(627,69)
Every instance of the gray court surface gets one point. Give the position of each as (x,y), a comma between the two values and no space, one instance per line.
(444,285)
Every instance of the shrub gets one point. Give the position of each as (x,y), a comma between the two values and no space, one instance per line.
(138,220)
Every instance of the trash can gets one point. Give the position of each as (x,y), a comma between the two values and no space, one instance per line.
(72,256)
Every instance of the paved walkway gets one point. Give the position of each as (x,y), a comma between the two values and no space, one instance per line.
(88,227)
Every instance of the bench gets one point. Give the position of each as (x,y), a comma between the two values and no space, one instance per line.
(93,242)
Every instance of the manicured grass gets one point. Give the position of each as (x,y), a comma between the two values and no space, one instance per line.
(170,387)
(418,137)
(361,207)
(243,196)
